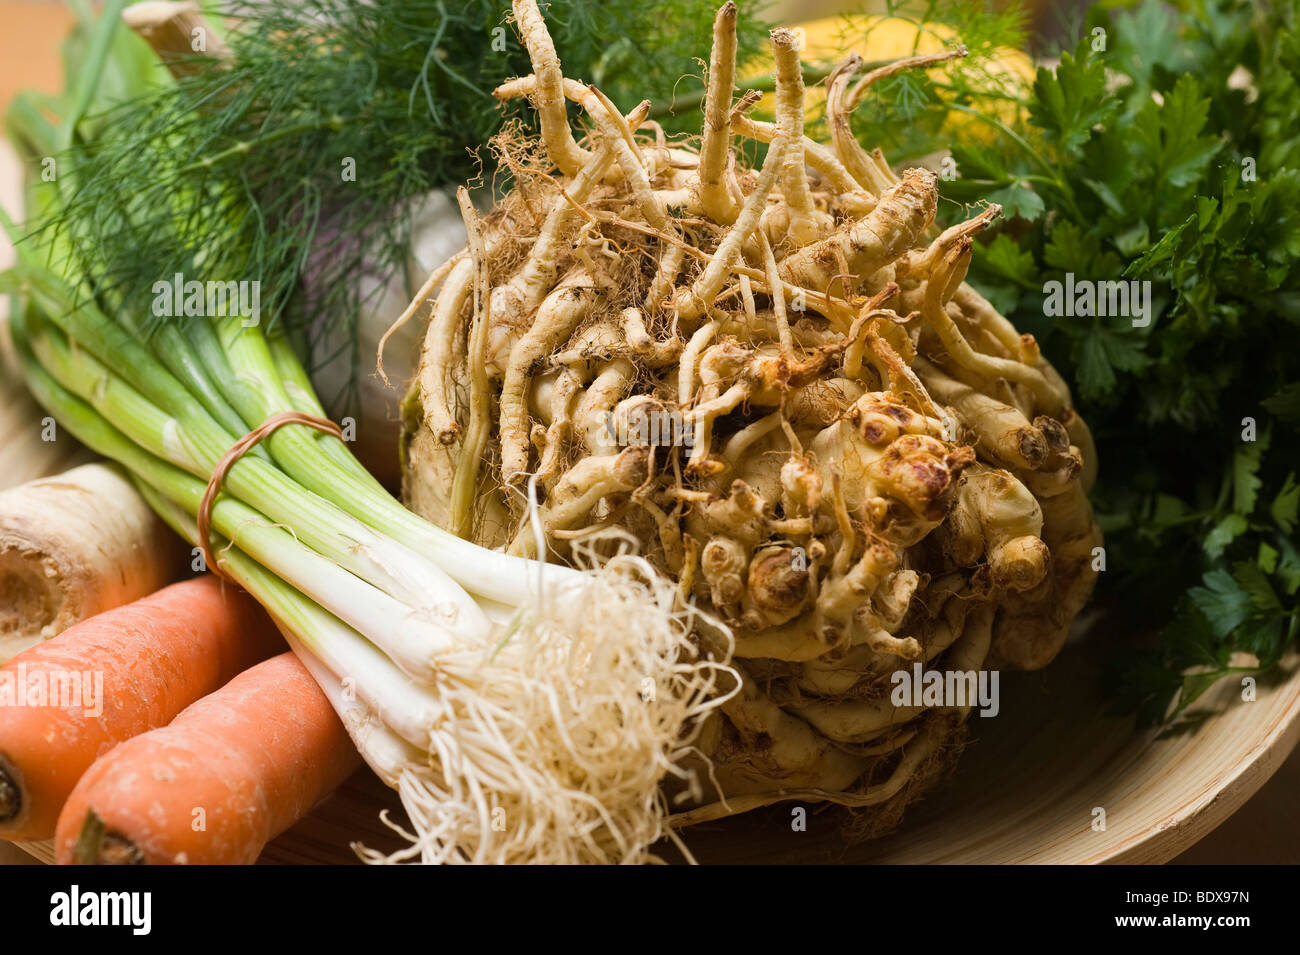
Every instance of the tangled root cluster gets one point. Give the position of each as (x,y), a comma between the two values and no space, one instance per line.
(778,382)
(551,748)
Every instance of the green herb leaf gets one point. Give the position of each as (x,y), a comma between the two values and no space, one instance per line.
(1072,99)
(1285,404)
(1182,152)
(1286,504)
(1245,474)
(1254,583)
(1225,605)
(1224,533)
(1018,200)
(1007,260)
(1102,353)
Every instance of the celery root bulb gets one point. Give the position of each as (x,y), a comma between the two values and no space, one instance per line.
(776,380)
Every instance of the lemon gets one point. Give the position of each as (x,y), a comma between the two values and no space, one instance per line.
(879,39)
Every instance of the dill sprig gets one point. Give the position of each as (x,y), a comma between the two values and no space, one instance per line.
(297,162)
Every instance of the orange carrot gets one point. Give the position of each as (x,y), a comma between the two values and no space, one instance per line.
(229,774)
(66,702)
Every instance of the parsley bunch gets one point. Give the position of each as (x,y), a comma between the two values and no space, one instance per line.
(1164,148)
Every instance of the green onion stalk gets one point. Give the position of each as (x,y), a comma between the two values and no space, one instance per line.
(504,699)
(522,711)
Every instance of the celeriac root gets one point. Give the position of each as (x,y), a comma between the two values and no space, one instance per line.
(777,382)
(716,199)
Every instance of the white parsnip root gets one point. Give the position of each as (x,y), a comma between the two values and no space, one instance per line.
(75,545)
(777,383)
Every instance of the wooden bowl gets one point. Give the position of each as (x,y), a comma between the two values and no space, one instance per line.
(1027,789)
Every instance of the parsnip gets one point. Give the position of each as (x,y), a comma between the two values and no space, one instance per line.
(75,545)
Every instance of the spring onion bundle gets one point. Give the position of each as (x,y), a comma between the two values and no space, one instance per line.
(520,715)
(538,733)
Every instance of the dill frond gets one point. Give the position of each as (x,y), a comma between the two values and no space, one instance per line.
(297,163)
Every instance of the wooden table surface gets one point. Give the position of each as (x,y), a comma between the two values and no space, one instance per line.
(1265,831)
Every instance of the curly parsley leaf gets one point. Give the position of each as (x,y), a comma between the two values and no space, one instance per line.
(1285,404)
(1245,474)
(1171,159)
(1168,135)
(1285,505)
(1070,100)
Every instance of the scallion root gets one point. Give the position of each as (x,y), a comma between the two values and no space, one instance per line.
(554,745)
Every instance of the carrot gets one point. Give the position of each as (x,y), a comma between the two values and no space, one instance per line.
(75,545)
(67,701)
(229,774)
